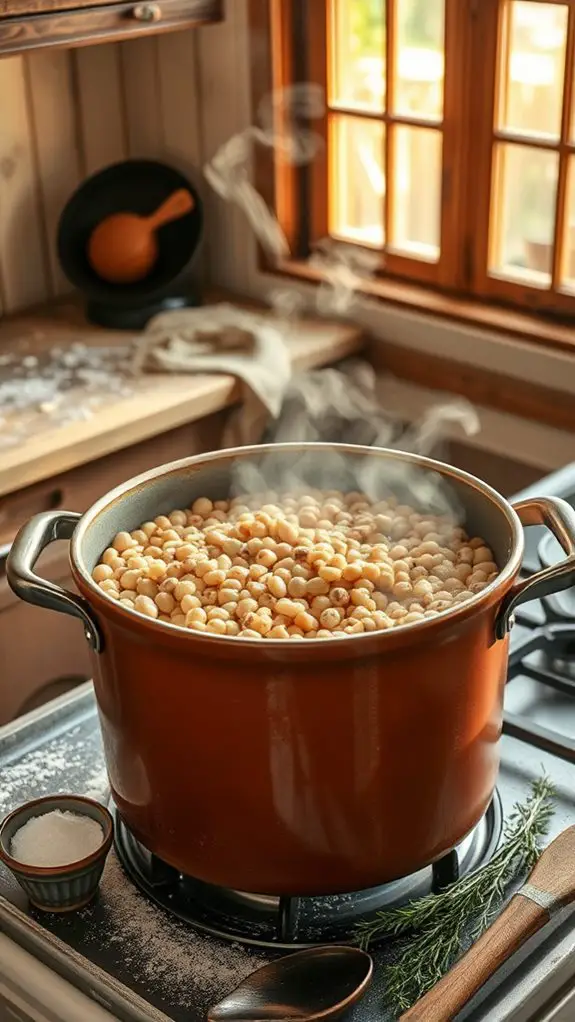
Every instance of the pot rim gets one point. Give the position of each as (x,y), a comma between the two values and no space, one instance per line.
(453,614)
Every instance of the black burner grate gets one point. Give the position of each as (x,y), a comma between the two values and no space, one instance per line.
(546,654)
(287,922)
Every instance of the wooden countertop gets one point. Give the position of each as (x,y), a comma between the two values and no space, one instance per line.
(156,403)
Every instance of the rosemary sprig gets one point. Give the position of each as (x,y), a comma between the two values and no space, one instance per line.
(439,922)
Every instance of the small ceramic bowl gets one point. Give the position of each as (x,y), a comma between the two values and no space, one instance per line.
(58,888)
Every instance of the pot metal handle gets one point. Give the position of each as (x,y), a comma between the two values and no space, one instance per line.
(4,551)
(559,517)
(29,543)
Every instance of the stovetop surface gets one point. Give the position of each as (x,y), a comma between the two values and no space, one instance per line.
(144,965)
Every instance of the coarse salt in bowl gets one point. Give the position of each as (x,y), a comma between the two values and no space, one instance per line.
(57,838)
(56,848)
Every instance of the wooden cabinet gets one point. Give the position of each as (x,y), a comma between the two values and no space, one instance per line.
(27,25)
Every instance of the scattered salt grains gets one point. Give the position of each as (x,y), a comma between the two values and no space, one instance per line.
(177,962)
(73,762)
(56,838)
(98,786)
(30,776)
(65,384)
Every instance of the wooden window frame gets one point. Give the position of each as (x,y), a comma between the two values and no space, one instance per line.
(291,46)
(489,285)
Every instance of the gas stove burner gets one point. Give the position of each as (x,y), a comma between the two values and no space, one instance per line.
(559,606)
(547,654)
(287,922)
(565,667)
(544,654)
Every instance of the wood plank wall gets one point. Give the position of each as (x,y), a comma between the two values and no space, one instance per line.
(65,114)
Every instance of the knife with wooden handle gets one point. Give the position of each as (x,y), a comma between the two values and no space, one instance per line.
(551,885)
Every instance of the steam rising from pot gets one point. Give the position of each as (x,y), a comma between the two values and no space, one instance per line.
(284,120)
(229,171)
(284,124)
(343,268)
(330,469)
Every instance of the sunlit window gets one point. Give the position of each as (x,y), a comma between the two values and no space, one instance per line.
(450,142)
(386,123)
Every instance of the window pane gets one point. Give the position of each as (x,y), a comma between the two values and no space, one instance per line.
(416,197)
(357,179)
(419,58)
(568,269)
(533,64)
(357,54)
(523,213)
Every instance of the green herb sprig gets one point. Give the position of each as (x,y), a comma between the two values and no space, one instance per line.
(438,923)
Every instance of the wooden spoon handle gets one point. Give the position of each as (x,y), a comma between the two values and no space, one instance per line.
(520,920)
(551,885)
(176,205)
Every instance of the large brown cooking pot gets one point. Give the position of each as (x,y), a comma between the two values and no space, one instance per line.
(299,767)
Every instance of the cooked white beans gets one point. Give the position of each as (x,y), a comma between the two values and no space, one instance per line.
(316,565)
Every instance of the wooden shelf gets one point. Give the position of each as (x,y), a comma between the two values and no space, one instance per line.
(40,24)
(157,402)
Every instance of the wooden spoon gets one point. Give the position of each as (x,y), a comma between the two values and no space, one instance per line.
(123,247)
(550,887)
(318,983)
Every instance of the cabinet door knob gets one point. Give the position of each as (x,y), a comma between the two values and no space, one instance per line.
(147,12)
